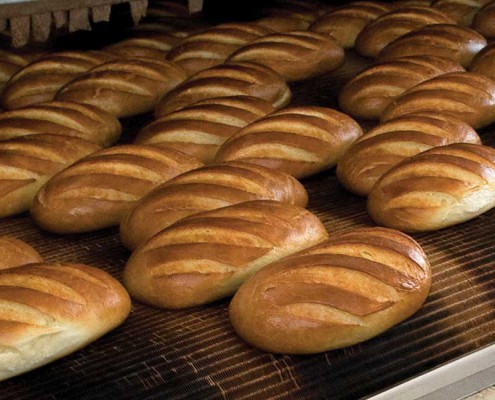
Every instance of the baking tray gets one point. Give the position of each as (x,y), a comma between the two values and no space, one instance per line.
(195,354)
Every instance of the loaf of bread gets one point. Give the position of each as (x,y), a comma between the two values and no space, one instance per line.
(179,28)
(378,34)
(205,189)
(199,130)
(124,87)
(96,192)
(345,22)
(12,61)
(465,95)
(461,11)
(284,23)
(295,55)
(343,291)
(145,45)
(438,188)
(301,141)
(275,14)
(51,310)
(484,62)
(484,20)
(371,91)
(15,252)
(383,147)
(27,162)
(231,79)
(457,43)
(61,118)
(207,256)
(41,80)
(212,47)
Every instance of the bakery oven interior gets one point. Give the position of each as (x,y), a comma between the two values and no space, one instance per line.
(195,352)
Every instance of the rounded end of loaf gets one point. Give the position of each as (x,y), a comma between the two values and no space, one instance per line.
(343,291)
(15,252)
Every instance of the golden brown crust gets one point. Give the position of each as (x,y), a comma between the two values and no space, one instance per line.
(231,79)
(484,62)
(384,30)
(300,141)
(125,87)
(61,118)
(12,60)
(344,23)
(15,252)
(27,162)
(295,55)
(461,11)
(343,291)
(144,45)
(440,187)
(410,3)
(380,149)
(213,46)
(370,92)
(200,129)
(484,20)
(457,43)
(51,310)
(97,191)
(207,256)
(282,23)
(41,80)
(205,189)
(464,95)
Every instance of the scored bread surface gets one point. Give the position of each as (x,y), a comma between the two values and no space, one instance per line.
(230,79)
(207,256)
(343,291)
(15,252)
(124,87)
(41,80)
(61,118)
(295,55)
(467,96)
(383,147)
(440,187)
(205,189)
(388,27)
(27,162)
(48,311)
(96,192)
(461,11)
(200,129)
(484,20)
(371,91)
(301,141)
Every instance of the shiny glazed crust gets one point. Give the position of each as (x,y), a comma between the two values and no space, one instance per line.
(207,256)
(461,11)
(438,188)
(61,118)
(467,96)
(205,189)
(484,21)
(343,291)
(384,30)
(51,310)
(300,141)
(125,87)
(295,55)
(231,79)
(346,22)
(371,91)
(383,147)
(41,80)
(27,162)
(96,192)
